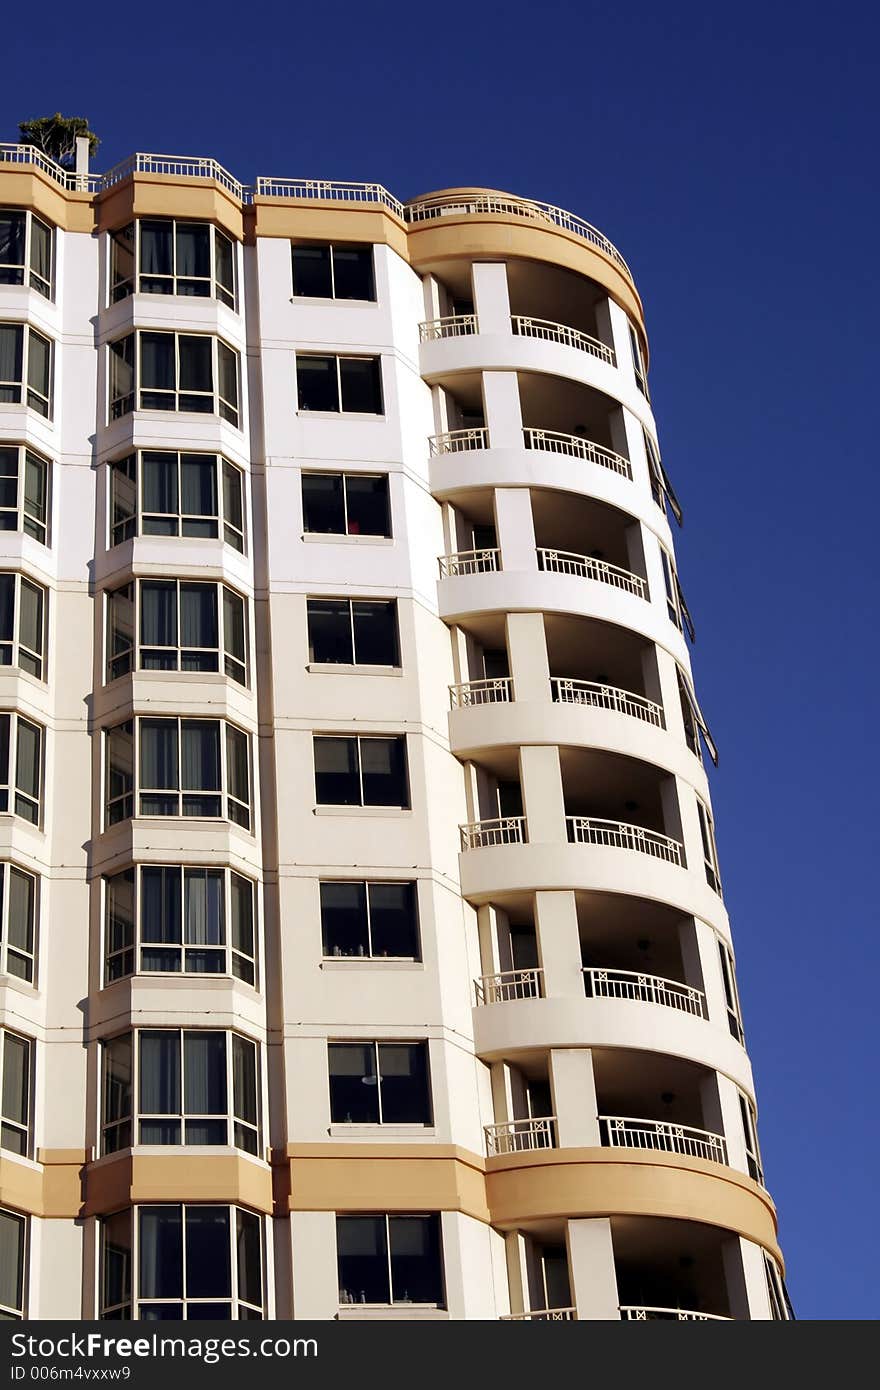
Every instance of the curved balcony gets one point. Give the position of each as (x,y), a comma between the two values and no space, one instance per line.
(465,562)
(600,983)
(521,1136)
(585,567)
(633,1313)
(508,985)
(549,332)
(453,326)
(566,691)
(502,830)
(458,441)
(574,446)
(662,1136)
(495,691)
(588,830)
(542,1315)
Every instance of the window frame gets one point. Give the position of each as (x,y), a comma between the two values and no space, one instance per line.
(136,791)
(388,1217)
(118,406)
(749,1119)
(7,1311)
(709,847)
(39,528)
(10,786)
(7,868)
(217,291)
(25,388)
(24,1128)
(331,247)
(17,648)
(359,739)
(640,371)
(31,278)
(662,490)
(136,519)
(377,1044)
(731,992)
(137,944)
(338,358)
(352,603)
(137,1116)
(368,535)
(135,653)
(368,884)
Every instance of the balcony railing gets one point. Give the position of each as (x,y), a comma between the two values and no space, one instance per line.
(600,983)
(632,1313)
(177,167)
(521,1136)
(588,830)
(574,446)
(330,191)
(458,441)
(572,692)
(542,1315)
(469,562)
(503,830)
(551,332)
(623,1132)
(585,567)
(452,204)
(496,691)
(453,326)
(509,985)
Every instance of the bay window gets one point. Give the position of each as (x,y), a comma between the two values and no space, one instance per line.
(164,256)
(18,923)
(185,767)
(16,1063)
(163,493)
(25,368)
(24,492)
(387,1260)
(357,632)
(13,1265)
(174,371)
(167,918)
(339,384)
(22,624)
(176,625)
(360,771)
(21,767)
(369,919)
(26,247)
(379,1083)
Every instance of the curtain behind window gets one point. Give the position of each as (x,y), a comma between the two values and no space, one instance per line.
(200,756)
(159,754)
(159,1060)
(11,338)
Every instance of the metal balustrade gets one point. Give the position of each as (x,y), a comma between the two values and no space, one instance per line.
(566,691)
(178,167)
(453,326)
(585,567)
(501,830)
(509,985)
(521,1136)
(624,1132)
(458,441)
(590,830)
(329,190)
(495,691)
(633,1313)
(471,204)
(573,446)
(469,562)
(542,1315)
(549,332)
(600,983)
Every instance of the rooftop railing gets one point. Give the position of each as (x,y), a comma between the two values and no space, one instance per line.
(509,985)
(624,1132)
(526,327)
(521,1136)
(501,830)
(573,446)
(585,567)
(601,983)
(498,690)
(615,834)
(329,190)
(566,691)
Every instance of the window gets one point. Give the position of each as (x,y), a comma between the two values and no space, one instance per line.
(389,1259)
(694,724)
(185,1263)
(370,919)
(21,767)
(15,1107)
(661,488)
(710,853)
(22,624)
(353,632)
(182,626)
(731,994)
(25,368)
(333,272)
(750,1134)
(173,371)
(379,1083)
(192,258)
(352,385)
(18,923)
(192,921)
(182,1081)
(780,1303)
(187,767)
(24,492)
(346,504)
(13,1246)
(358,771)
(670,586)
(157,493)
(638,361)
(26,246)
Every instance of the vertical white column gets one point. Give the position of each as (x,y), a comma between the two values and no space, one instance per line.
(710,967)
(746,1280)
(543,799)
(559,945)
(591,1268)
(315,1277)
(516,528)
(620,335)
(491,299)
(574,1097)
(503,412)
(516,1253)
(527,654)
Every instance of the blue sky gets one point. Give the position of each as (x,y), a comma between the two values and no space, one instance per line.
(730,152)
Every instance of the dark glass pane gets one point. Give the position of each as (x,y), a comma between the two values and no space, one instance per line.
(336,772)
(250,1280)
(383,769)
(159,1072)
(323,503)
(160,1312)
(198,619)
(160,903)
(329,630)
(12,228)
(227,363)
(311,271)
(200,755)
(344,919)
(361,385)
(123,499)
(393,919)
(354,1085)
(204,1074)
(116,1261)
(193,250)
(375,633)
(237,764)
(159,482)
(196,373)
(11,354)
(122,262)
(317,384)
(161,1253)
(157,248)
(367,502)
(224,268)
(353,272)
(416,1274)
(208,1268)
(159,769)
(233,508)
(242,893)
(7,610)
(362,1259)
(157,361)
(198,484)
(403,1068)
(9,480)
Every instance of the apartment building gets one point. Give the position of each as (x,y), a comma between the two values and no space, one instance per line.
(363,951)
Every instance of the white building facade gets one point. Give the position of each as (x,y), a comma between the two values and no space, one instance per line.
(363,951)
